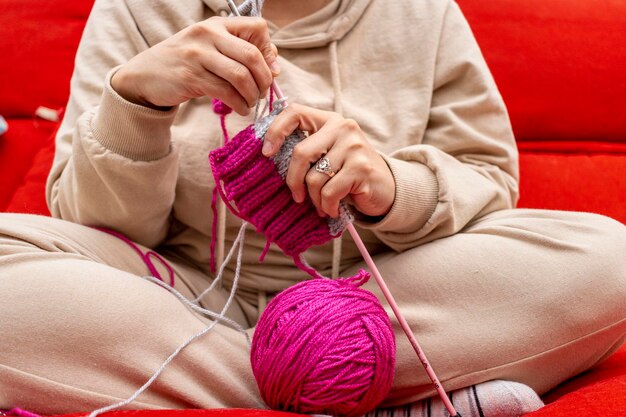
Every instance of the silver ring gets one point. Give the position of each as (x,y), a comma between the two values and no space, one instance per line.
(323,166)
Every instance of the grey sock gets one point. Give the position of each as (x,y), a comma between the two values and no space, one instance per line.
(489,399)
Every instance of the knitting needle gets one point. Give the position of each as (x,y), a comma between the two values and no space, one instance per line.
(403,323)
(383,286)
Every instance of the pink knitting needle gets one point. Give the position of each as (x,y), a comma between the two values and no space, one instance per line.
(403,323)
(381,282)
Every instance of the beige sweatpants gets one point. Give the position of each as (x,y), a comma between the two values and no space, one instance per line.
(526,295)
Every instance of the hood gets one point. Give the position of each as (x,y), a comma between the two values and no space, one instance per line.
(329,24)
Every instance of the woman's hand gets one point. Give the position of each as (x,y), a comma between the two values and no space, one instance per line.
(231,59)
(361,174)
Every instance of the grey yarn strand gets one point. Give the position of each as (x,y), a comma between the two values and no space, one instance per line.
(251,8)
(198,309)
(220,272)
(238,242)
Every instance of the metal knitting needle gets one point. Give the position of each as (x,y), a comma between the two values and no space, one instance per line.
(383,286)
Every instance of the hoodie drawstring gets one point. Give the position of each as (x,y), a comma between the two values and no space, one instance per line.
(338,108)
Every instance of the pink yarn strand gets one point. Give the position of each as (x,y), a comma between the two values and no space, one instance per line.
(145,257)
(224,131)
(265,250)
(300,263)
(163,262)
(18,412)
(222,110)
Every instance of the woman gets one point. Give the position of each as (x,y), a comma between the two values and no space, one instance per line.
(398,98)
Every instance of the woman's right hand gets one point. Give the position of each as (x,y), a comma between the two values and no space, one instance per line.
(231,59)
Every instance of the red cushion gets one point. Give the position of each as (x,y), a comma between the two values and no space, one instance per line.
(37,46)
(578,182)
(18,150)
(30,196)
(559,64)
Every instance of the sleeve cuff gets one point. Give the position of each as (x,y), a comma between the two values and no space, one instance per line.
(133,131)
(416,198)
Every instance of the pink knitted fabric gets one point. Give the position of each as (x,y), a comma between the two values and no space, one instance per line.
(254,189)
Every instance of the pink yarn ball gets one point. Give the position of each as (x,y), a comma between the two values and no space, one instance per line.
(324,346)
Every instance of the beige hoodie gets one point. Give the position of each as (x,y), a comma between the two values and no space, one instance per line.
(409,72)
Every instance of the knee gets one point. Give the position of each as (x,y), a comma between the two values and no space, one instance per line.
(607,246)
(16,232)
(605,263)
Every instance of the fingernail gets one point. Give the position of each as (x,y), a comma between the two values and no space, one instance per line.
(275,68)
(267,148)
(297,198)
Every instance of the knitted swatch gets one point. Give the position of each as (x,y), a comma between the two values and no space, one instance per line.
(253,188)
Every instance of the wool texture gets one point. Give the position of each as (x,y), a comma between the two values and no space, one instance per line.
(324,346)
(253,188)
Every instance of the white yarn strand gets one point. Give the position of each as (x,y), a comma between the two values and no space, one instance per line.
(226,261)
(198,309)
(219,318)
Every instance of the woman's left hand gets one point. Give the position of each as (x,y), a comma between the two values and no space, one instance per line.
(359,174)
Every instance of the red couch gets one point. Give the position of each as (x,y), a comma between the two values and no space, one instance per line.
(559,64)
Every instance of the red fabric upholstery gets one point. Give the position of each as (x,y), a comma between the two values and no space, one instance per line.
(38,44)
(593,182)
(38,41)
(559,65)
(26,149)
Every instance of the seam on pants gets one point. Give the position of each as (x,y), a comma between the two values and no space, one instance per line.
(82,392)
(588,335)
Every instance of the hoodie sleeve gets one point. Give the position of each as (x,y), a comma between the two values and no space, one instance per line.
(114,165)
(467,163)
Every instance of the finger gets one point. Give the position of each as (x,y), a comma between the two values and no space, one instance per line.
(213,86)
(316,181)
(294,117)
(335,190)
(305,153)
(255,31)
(249,56)
(234,73)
